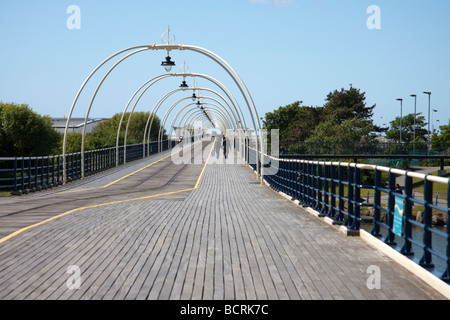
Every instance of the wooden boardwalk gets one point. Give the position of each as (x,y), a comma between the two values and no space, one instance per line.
(229,237)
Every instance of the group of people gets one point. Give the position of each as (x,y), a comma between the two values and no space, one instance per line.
(222,143)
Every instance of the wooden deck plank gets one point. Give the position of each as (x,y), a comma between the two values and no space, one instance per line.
(129,268)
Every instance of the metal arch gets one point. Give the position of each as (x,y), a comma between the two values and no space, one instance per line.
(225,122)
(197,114)
(228,121)
(172,107)
(92,101)
(242,87)
(168,47)
(76,100)
(157,106)
(209,78)
(153,81)
(194,109)
(213,112)
(217,110)
(200,117)
(90,105)
(225,90)
(203,97)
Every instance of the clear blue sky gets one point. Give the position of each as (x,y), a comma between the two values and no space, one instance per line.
(284,50)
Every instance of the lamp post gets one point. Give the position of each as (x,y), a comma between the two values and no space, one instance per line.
(432,125)
(415,114)
(429,131)
(401,117)
(168,63)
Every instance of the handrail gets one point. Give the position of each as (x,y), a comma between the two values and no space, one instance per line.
(29,174)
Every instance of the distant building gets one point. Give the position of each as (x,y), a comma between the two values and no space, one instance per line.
(75,124)
(384,140)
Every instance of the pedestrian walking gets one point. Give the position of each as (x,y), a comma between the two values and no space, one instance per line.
(217,145)
(226,146)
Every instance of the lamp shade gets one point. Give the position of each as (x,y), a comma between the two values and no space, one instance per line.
(168,64)
(184,85)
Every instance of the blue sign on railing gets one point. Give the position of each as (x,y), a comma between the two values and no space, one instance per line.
(398,216)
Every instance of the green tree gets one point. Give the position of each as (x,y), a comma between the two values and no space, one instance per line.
(441,141)
(332,135)
(408,129)
(444,135)
(73,143)
(294,121)
(23,132)
(105,133)
(347,104)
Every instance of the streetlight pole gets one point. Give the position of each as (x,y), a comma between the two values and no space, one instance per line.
(429,132)
(432,124)
(401,117)
(415,114)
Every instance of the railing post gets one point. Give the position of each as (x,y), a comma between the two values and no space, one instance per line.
(15,175)
(339,216)
(376,205)
(319,185)
(48,172)
(290,178)
(426,260)
(350,196)
(310,184)
(29,175)
(314,187)
(446,275)
(296,180)
(391,206)
(36,173)
(356,198)
(281,177)
(22,174)
(58,173)
(407,215)
(325,208)
(332,211)
(301,182)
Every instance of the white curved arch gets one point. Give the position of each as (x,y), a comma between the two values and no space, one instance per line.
(168,47)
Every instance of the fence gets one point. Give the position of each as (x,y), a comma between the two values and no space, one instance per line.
(28,174)
(364,148)
(335,189)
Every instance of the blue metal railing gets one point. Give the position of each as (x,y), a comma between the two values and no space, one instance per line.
(28,174)
(334,190)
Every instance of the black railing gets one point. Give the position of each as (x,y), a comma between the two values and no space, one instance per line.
(364,148)
(28,174)
(336,190)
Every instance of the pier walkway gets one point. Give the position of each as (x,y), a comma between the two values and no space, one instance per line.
(155,230)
